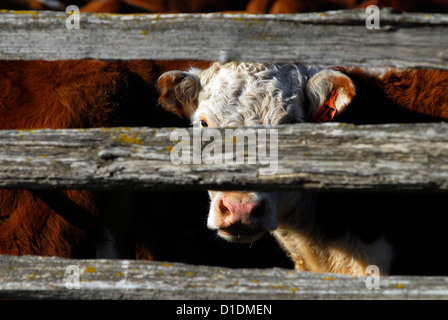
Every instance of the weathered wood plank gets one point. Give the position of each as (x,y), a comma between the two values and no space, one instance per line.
(393,157)
(31,277)
(332,38)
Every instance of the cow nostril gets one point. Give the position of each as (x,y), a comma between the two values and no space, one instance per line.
(223,208)
(259,211)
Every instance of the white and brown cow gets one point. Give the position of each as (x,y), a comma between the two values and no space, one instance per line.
(339,233)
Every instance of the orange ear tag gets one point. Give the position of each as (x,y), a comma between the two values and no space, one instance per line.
(327,112)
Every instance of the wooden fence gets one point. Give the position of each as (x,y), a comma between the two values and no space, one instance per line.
(310,156)
(313,157)
(332,38)
(49,278)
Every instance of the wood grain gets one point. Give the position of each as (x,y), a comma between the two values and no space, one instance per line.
(31,277)
(321,157)
(332,38)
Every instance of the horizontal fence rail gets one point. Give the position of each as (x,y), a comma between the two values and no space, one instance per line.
(393,157)
(330,38)
(55,278)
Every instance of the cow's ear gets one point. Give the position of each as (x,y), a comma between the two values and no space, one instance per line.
(179,91)
(329,92)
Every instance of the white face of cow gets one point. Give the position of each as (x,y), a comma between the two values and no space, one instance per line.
(252,94)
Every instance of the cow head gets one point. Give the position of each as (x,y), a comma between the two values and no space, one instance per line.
(243,94)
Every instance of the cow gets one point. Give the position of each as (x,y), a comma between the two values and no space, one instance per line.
(105,224)
(64,94)
(78,94)
(321,232)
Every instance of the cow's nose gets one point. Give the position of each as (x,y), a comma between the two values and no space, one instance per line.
(245,213)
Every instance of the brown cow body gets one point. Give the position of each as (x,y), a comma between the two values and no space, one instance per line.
(71,94)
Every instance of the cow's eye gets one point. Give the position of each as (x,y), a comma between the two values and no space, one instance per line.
(204,124)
